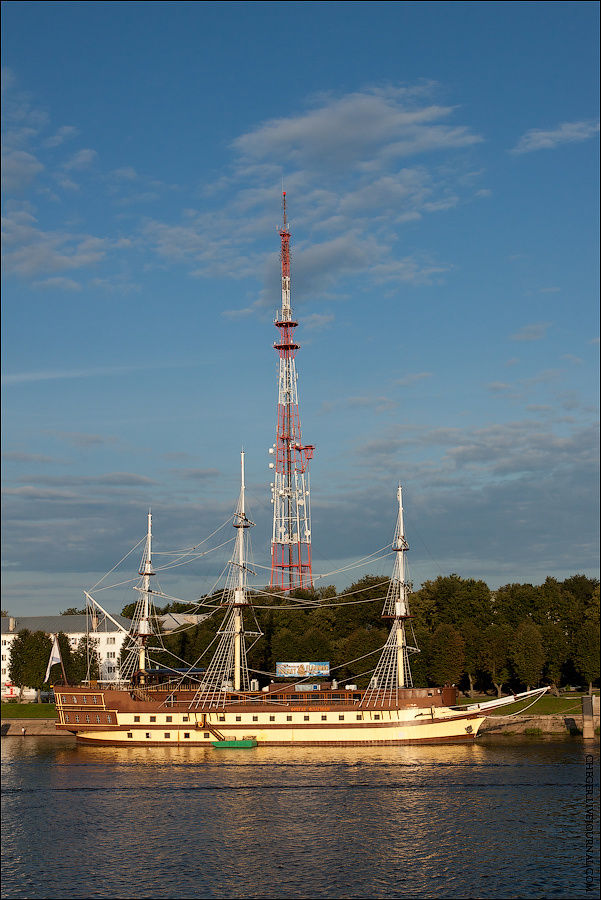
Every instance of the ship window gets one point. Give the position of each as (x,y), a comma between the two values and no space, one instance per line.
(324,718)
(153,718)
(109,718)
(136,718)
(356,696)
(376,715)
(306,718)
(272,718)
(129,734)
(255,718)
(94,699)
(77,718)
(63,698)
(289,718)
(74,699)
(87,718)
(98,719)
(84,698)
(222,718)
(186,718)
(147,734)
(238,718)
(341,718)
(167,734)
(169,718)
(67,717)
(359,717)
(206,734)
(186,734)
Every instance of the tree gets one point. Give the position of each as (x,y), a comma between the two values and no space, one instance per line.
(473,638)
(446,657)
(495,655)
(555,644)
(77,666)
(30,652)
(73,611)
(586,653)
(452,600)
(527,653)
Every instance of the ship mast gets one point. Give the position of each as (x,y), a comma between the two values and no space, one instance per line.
(393,671)
(240,595)
(227,671)
(144,629)
(291,536)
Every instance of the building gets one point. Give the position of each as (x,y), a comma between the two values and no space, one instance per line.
(108,636)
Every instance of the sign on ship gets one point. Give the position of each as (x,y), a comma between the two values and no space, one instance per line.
(301,669)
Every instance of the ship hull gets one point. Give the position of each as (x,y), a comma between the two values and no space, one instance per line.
(121,718)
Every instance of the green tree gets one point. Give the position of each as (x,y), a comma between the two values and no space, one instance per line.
(555,645)
(30,652)
(495,655)
(452,600)
(77,666)
(473,638)
(73,611)
(446,656)
(587,643)
(527,653)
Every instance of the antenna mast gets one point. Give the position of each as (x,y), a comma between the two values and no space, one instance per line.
(291,537)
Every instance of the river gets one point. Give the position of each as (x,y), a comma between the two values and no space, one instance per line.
(501,818)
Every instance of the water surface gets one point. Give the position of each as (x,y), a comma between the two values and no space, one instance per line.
(499,819)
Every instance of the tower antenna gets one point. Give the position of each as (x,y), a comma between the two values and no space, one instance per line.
(291,537)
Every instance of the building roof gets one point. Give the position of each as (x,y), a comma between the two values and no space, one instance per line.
(54,624)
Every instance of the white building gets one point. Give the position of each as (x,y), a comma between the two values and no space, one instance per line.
(107,637)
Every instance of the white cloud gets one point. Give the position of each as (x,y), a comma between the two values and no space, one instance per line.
(534,332)
(62,134)
(83,159)
(566,133)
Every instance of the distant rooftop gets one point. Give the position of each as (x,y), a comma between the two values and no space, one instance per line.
(54,624)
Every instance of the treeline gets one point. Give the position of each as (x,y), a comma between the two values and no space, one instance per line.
(520,635)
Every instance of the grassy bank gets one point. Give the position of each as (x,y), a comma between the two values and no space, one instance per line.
(546,706)
(28,711)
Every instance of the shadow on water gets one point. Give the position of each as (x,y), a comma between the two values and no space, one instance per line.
(502,819)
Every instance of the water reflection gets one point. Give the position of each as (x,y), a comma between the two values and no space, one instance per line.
(497,819)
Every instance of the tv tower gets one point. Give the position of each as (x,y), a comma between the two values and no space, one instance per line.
(291,538)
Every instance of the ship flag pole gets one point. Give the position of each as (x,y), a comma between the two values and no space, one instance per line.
(290,490)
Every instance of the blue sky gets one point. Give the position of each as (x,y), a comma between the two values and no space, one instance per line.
(441,165)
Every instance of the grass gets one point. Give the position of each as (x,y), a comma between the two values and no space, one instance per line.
(28,711)
(546,706)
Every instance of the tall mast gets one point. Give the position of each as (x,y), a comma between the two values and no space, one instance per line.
(393,671)
(240,596)
(291,536)
(146,573)
(228,669)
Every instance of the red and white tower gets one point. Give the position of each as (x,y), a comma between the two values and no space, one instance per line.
(291,538)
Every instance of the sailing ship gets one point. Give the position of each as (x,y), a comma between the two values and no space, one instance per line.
(225,705)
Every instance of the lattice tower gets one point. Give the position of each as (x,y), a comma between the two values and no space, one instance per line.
(291,536)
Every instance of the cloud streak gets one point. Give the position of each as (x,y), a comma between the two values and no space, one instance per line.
(566,133)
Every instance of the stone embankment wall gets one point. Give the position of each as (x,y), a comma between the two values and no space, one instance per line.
(553,724)
(25,727)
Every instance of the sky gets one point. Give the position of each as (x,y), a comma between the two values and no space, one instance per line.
(441,168)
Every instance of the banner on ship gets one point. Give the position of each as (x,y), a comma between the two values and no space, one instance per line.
(301,669)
